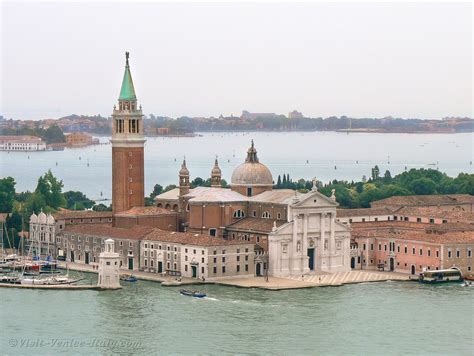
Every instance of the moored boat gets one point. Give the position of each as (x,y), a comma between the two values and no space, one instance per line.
(441,276)
(192,293)
(128,278)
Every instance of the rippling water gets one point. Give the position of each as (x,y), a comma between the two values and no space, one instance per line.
(326,155)
(373,318)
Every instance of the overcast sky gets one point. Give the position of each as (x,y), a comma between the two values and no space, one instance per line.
(360,60)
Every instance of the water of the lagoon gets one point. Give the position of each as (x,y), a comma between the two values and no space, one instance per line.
(330,155)
(142,318)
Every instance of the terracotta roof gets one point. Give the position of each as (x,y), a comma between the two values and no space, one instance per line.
(255,224)
(145,211)
(81,214)
(187,238)
(435,212)
(277,196)
(169,195)
(437,233)
(108,231)
(346,213)
(210,194)
(441,238)
(416,200)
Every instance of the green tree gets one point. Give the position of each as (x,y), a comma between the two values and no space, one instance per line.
(54,134)
(387,177)
(375,173)
(102,207)
(157,190)
(7,194)
(51,189)
(197,182)
(77,201)
(169,187)
(423,186)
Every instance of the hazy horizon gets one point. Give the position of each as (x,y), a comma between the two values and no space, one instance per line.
(409,60)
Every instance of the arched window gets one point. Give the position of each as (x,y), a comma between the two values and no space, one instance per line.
(239,214)
(266,215)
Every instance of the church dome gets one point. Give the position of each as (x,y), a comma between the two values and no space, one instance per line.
(252,172)
(42,218)
(33,218)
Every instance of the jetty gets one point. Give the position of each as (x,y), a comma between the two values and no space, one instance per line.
(53,287)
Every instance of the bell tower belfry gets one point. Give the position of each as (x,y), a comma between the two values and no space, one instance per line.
(127,148)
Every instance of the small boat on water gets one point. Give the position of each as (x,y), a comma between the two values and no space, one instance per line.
(128,278)
(441,276)
(467,284)
(192,293)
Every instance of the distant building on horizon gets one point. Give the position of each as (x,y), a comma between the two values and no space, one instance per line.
(295,115)
(22,143)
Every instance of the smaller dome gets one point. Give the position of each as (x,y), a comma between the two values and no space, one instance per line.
(50,220)
(33,218)
(184,170)
(42,218)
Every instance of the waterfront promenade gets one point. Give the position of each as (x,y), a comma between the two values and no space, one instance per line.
(273,283)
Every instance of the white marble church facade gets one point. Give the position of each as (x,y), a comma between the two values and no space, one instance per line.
(312,240)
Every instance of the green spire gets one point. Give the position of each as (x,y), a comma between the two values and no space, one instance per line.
(127,92)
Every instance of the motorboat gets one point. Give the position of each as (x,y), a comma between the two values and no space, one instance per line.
(128,278)
(192,293)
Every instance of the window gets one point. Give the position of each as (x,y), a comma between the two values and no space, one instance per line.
(421,252)
(458,254)
(246,258)
(371,247)
(246,268)
(214,270)
(146,262)
(398,248)
(266,215)
(223,269)
(363,219)
(376,219)
(238,268)
(202,252)
(449,253)
(215,252)
(185,268)
(185,258)
(469,253)
(431,221)
(185,250)
(254,214)
(363,247)
(406,249)
(418,220)
(413,250)
(278,216)
(249,191)
(437,253)
(223,259)
(215,259)
(212,232)
(146,245)
(238,258)
(202,270)
(429,252)
(445,221)
(239,214)
(380,247)
(202,260)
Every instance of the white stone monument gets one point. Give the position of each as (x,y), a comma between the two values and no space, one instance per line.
(109,267)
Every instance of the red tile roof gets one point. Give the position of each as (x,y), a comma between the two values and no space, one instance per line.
(65,214)
(435,212)
(108,231)
(255,225)
(346,213)
(187,238)
(401,230)
(145,211)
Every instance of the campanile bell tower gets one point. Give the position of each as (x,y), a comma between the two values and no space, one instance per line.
(127,148)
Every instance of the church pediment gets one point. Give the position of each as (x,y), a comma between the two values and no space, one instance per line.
(314,199)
